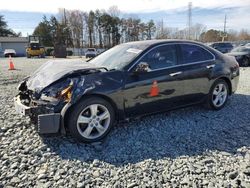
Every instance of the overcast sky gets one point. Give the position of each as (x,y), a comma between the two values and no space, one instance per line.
(52,6)
(173,12)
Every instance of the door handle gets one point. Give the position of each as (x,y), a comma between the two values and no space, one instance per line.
(210,66)
(175,73)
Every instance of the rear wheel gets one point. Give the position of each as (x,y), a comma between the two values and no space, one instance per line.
(91,119)
(218,95)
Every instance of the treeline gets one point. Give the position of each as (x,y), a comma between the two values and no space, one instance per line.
(107,28)
(200,33)
(232,35)
(5,31)
(99,28)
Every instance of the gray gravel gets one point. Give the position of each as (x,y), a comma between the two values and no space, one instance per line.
(190,147)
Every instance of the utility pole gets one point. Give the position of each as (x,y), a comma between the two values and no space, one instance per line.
(64,16)
(162,26)
(189,19)
(224,34)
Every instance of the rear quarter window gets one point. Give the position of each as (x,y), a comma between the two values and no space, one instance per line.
(194,53)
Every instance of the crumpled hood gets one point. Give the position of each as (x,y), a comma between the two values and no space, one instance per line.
(53,70)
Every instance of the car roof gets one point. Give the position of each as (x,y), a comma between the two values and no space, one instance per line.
(222,43)
(162,41)
(9,49)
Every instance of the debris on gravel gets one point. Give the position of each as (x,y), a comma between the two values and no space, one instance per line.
(191,147)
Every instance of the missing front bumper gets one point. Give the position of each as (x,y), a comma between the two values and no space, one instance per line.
(46,123)
(21,108)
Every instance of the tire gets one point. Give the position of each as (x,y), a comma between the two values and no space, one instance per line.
(91,119)
(219,90)
(245,62)
(42,55)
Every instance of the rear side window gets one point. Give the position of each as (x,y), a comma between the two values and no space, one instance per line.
(193,53)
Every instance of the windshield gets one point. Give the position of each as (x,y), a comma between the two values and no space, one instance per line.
(119,56)
(241,49)
(91,50)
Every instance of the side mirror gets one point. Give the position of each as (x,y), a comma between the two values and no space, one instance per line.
(142,67)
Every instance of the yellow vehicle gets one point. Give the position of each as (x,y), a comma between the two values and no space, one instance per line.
(34,48)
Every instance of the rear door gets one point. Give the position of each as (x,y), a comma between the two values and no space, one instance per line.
(197,65)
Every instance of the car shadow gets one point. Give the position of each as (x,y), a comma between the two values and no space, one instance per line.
(189,131)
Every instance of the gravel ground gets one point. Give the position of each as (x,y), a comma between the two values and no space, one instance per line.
(191,147)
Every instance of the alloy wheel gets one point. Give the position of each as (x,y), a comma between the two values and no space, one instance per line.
(219,95)
(93,121)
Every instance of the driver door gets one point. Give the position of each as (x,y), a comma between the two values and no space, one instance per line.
(158,87)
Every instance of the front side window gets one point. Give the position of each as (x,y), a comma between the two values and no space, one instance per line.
(160,57)
(193,53)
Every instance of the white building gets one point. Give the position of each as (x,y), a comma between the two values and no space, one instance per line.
(19,44)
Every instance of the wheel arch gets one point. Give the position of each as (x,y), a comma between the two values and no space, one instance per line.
(108,99)
(227,80)
(68,108)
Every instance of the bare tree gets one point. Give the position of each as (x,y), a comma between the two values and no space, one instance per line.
(244,35)
(196,31)
(91,26)
(75,23)
(102,28)
(163,32)
(114,11)
(232,35)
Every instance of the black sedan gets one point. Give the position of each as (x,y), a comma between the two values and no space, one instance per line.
(223,47)
(242,55)
(86,99)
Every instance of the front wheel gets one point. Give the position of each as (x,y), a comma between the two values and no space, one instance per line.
(218,95)
(91,119)
(42,55)
(28,55)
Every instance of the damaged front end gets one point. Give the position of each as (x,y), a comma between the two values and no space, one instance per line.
(46,99)
(44,109)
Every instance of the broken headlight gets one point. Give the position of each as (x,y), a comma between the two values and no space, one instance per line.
(66,93)
(60,91)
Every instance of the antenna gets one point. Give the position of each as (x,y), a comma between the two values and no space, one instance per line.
(189,19)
